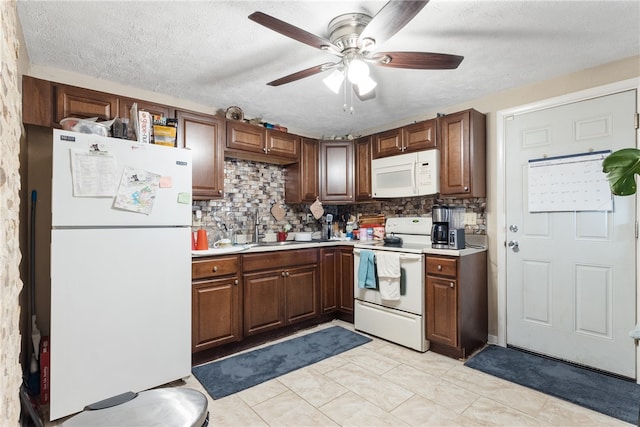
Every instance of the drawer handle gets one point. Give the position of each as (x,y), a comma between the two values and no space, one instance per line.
(439,267)
(235,282)
(215,268)
(451,285)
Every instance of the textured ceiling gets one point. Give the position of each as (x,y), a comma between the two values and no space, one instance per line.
(211,54)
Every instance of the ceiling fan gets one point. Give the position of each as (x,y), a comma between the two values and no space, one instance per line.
(354,37)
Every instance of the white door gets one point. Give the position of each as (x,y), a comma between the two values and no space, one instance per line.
(571,290)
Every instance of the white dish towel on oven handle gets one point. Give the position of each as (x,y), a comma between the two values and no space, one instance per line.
(388,267)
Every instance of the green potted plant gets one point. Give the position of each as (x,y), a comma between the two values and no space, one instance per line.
(621,167)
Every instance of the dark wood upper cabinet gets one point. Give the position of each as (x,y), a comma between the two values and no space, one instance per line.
(462,156)
(363,156)
(37,101)
(74,101)
(336,171)
(414,137)
(387,143)
(245,137)
(419,136)
(203,135)
(301,178)
(253,142)
(282,144)
(124,108)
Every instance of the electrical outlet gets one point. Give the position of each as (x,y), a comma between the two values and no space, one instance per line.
(470,218)
(308,219)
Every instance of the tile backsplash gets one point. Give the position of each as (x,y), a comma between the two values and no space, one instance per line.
(251,187)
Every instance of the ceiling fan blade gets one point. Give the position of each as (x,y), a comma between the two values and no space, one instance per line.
(389,20)
(302,74)
(294,32)
(417,60)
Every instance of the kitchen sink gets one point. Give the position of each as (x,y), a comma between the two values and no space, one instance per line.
(286,242)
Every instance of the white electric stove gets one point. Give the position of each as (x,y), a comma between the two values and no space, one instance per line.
(399,321)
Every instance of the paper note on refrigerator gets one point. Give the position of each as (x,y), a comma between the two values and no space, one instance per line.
(137,191)
(93,173)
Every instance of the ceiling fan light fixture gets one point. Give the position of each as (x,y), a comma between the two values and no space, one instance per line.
(357,70)
(334,81)
(365,85)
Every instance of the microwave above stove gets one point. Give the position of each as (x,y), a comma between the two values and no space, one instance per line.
(406,175)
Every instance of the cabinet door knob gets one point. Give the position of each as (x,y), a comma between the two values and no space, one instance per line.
(282,274)
(235,282)
(286,273)
(264,149)
(451,285)
(466,188)
(215,268)
(439,267)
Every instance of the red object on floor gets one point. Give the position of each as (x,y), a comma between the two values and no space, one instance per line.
(45,374)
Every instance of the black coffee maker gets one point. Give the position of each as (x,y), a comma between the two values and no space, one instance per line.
(440,227)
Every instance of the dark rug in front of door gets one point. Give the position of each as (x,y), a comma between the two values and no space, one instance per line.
(227,376)
(616,397)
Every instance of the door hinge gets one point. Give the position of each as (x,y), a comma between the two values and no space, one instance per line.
(636,121)
(636,229)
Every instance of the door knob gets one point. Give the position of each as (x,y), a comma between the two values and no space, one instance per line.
(513,245)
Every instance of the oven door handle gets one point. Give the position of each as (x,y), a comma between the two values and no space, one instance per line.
(403,256)
(407,257)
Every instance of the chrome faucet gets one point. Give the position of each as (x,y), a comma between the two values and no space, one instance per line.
(256,234)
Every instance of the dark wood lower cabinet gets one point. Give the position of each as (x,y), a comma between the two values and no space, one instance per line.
(329,280)
(240,301)
(301,293)
(280,288)
(263,302)
(216,313)
(346,284)
(456,303)
(337,281)
(216,295)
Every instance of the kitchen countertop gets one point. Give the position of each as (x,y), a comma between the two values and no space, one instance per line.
(292,244)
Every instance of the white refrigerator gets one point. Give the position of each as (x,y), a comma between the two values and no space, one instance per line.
(120,268)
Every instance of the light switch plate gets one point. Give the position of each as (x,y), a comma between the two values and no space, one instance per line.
(470,218)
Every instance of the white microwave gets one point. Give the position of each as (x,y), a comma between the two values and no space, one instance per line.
(406,175)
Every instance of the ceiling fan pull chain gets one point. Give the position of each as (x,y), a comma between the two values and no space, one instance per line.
(351,96)
(344,96)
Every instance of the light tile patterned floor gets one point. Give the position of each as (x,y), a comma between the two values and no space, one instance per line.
(382,384)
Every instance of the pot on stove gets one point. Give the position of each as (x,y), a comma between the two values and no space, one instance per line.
(394,241)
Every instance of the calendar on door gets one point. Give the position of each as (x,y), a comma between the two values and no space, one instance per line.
(569,183)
